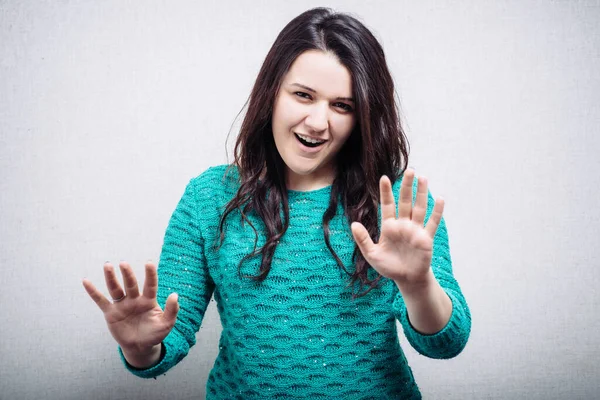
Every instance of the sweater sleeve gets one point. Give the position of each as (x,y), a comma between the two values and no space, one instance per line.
(451,340)
(182,269)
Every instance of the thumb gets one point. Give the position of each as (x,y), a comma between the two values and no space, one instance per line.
(171,309)
(363,240)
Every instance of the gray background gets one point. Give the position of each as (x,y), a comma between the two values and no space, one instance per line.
(108,108)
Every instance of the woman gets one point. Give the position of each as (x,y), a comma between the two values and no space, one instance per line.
(285,239)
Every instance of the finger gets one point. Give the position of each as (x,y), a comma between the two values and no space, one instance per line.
(361,237)
(171,309)
(151,281)
(388,205)
(129,280)
(435,217)
(95,294)
(420,208)
(406,194)
(112,283)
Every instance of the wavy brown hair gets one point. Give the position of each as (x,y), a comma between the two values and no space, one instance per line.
(378,141)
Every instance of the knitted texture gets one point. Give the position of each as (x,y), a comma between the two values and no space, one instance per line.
(298,334)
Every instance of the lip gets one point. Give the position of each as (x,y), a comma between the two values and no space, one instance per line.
(306,149)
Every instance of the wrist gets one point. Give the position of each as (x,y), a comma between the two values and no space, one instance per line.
(418,288)
(428,306)
(143,359)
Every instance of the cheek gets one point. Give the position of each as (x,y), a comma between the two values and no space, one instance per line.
(287,112)
(343,126)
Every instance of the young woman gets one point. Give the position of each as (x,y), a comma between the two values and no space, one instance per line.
(300,240)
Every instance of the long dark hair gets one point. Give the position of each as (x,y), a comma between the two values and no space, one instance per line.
(378,141)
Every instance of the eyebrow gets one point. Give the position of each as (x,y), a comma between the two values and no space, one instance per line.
(314,91)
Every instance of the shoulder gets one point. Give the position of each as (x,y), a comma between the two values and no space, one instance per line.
(223,172)
(219,182)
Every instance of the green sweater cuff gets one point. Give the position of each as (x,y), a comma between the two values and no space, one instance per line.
(175,348)
(446,343)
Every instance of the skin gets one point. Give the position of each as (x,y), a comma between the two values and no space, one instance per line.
(404,251)
(325,112)
(315,100)
(137,323)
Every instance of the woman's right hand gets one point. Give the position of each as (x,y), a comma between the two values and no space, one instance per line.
(136,322)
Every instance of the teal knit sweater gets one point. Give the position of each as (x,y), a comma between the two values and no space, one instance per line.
(298,334)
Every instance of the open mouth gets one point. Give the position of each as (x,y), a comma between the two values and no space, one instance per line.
(309,142)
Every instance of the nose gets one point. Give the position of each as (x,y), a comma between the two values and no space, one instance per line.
(316,120)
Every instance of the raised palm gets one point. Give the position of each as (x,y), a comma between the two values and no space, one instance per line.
(405,247)
(136,321)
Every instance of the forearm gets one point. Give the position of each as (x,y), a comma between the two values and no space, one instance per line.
(428,306)
(143,360)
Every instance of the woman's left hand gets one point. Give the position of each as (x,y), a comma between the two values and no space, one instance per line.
(405,247)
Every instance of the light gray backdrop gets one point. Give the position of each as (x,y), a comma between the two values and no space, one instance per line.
(108,108)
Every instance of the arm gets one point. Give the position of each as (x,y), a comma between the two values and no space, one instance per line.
(412,249)
(436,318)
(183,270)
(428,305)
(139,361)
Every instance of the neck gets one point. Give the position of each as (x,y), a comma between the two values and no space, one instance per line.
(313,181)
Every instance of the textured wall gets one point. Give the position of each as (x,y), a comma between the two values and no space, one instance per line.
(107,109)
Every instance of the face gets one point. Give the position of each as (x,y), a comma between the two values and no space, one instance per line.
(313,117)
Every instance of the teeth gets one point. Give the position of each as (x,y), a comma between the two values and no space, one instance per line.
(310,140)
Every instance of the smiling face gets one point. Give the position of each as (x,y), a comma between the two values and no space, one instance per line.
(313,116)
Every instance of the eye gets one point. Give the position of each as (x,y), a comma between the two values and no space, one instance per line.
(303,95)
(344,107)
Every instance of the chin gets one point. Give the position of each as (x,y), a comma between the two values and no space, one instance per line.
(302,171)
